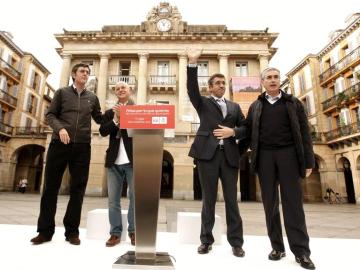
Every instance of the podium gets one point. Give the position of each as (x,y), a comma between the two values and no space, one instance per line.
(146,124)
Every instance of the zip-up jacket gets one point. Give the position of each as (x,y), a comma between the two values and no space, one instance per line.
(73,112)
(299,129)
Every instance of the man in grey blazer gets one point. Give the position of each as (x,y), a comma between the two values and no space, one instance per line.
(216,153)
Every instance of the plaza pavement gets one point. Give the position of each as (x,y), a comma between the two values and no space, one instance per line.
(323,220)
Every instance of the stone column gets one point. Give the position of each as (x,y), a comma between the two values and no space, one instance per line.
(264,63)
(142,80)
(183,97)
(103,79)
(65,70)
(224,69)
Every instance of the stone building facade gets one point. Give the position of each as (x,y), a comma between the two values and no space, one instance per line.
(24,98)
(328,84)
(151,58)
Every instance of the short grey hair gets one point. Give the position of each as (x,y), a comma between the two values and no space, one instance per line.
(122,83)
(266,70)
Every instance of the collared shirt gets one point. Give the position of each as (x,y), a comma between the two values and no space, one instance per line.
(77,90)
(271,99)
(217,98)
(122,157)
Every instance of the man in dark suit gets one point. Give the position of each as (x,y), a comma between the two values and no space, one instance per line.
(119,166)
(216,153)
(281,154)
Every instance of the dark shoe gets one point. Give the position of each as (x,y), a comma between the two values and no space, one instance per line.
(204,248)
(238,251)
(40,239)
(132,238)
(305,262)
(73,239)
(276,255)
(113,241)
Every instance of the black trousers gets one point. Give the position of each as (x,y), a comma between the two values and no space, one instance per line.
(59,155)
(209,173)
(281,167)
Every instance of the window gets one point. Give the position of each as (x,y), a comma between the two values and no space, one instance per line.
(91,67)
(306,103)
(31,104)
(241,69)
(28,122)
(163,68)
(163,72)
(302,83)
(124,68)
(35,81)
(203,73)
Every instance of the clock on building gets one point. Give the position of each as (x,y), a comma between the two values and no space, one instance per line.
(163,25)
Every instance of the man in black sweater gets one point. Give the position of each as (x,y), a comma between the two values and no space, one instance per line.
(281,154)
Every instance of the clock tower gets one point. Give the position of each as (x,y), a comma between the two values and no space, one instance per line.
(164,19)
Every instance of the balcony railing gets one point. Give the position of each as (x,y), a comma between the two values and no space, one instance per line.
(8,98)
(10,69)
(163,80)
(49,94)
(317,137)
(343,131)
(130,80)
(194,127)
(347,94)
(5,128)
(344,62)
(30,131)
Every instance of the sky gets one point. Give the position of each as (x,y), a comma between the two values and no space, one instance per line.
(303,26)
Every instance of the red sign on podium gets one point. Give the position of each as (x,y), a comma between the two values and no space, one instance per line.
(147,116)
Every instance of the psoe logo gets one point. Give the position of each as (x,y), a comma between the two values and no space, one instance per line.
(155,120)
(163,120)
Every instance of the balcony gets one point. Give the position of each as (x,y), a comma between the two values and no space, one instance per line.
(49,94)
(318,137)
(37,132)
(9,99)
(130,80)
(347,96)
(345,135)
(165,84)
(194,127)
(351,59)
(9,69)
(5,131)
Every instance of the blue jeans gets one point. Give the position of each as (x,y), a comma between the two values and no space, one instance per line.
(116,176)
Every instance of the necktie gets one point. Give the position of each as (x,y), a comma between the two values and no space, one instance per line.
(222,105)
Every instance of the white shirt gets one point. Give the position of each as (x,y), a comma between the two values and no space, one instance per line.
(122,157)
(271,99)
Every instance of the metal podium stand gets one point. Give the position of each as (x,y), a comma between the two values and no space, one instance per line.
(147,165)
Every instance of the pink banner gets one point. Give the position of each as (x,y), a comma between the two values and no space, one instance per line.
(246,84)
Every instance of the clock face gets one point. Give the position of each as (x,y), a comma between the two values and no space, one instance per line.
(163,25)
